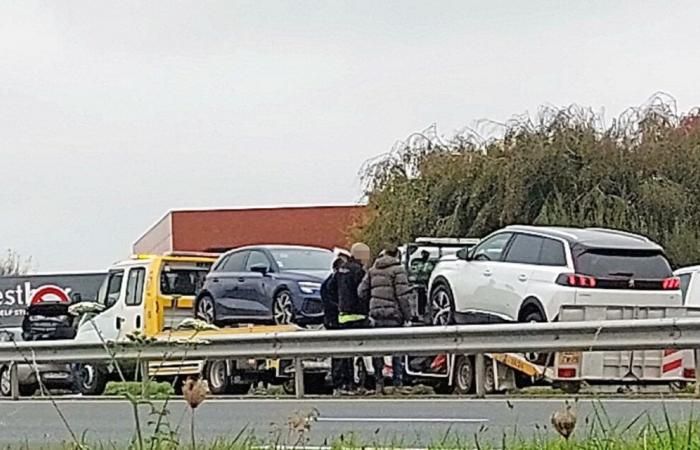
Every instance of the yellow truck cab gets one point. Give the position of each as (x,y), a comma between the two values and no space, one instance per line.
(151,295)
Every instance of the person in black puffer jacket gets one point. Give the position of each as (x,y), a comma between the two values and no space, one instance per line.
(387,288)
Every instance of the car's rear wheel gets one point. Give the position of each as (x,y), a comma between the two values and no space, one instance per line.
(283,308)
(442,306)
(533,315)
(206,310)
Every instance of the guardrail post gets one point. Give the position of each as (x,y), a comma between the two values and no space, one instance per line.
(697,371)
(298,378)
(480,375)
(14,381)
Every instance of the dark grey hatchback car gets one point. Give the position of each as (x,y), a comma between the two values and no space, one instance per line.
(266,284)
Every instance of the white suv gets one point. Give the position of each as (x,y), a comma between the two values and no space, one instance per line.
(526,273)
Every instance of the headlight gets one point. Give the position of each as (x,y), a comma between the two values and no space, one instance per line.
(308,287)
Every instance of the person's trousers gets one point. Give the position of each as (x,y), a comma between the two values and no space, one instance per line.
(397,370)
(343,369)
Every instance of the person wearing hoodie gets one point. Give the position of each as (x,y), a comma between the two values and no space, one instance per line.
(387,288)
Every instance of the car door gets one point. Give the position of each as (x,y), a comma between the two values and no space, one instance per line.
(224,284)
(474,287)
(514,275)
(107,322)
(252,285)
(132,310)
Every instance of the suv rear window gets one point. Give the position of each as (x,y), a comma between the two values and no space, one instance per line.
(650,265)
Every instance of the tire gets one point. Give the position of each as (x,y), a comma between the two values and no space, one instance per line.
(217,377)
(206,309)
(283,308)
(25,390)
(533,315)
(92,379)
(570,387)
(464,380)
(442,305)
(5,382)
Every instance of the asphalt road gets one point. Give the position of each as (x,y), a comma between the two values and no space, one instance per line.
(411,422)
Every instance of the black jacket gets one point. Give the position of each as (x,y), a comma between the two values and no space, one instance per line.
(329,298)
(349,277)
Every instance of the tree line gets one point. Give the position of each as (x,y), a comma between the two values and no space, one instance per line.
(564,166)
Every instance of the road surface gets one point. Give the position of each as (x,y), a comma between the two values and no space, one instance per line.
(412,422)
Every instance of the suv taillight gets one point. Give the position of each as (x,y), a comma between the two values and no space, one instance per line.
(576,280)
(670,284)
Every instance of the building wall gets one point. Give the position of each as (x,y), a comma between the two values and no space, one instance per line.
(157,239)
(217,230)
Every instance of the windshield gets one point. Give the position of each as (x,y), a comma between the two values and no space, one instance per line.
(110,289)
(626,264)
(302,259)
(183,278)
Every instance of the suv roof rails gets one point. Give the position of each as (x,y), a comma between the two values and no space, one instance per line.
(446,241)
(620,233)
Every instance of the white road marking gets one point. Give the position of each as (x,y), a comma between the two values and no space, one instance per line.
(400,419)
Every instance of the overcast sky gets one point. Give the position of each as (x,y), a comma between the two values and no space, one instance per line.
(113,112)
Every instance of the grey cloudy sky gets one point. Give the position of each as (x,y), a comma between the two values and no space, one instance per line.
(113,112)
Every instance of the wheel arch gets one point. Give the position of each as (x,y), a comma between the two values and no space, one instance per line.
(203,293)
(440,280)
(531,304)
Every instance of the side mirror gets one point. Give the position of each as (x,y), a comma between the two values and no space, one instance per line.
(464,254)
(260,268)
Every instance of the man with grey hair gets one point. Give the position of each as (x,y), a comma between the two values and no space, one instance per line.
(352,310)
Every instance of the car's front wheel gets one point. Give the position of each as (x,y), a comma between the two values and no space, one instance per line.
(283,308)
(442,306)
(206,310)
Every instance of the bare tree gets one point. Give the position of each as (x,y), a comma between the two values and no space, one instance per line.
(13,264)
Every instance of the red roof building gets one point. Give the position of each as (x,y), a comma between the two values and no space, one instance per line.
(216,230)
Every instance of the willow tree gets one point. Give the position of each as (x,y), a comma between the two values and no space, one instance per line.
(641,173)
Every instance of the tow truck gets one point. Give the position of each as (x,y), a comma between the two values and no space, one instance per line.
(149,295)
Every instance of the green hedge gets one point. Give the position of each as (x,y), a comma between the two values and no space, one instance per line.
(565,166)
(153,390)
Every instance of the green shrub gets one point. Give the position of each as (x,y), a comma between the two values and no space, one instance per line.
(153,390)
(563,167)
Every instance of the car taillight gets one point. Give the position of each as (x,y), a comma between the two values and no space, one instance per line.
(575,280)
(566,373)
(671,283)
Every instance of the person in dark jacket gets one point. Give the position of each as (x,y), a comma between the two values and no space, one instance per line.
(388,290)
(329,295)
(329,298)
(352,310)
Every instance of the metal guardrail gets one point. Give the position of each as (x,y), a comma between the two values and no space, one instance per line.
(644,334)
